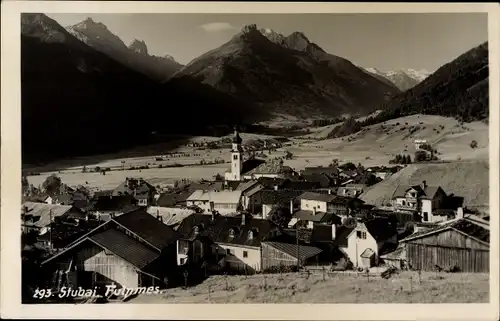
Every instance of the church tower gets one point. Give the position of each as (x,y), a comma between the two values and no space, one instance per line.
(236,154)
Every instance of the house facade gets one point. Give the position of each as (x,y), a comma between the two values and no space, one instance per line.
(251,200)
(133,250)
(423,199)
(223,202)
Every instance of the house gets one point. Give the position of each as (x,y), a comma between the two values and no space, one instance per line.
(339,205)
(105,207)
(36,216)
(141,190)
(224,202)
(278,254)
(462,243)
(133,250)
(273,168)
(330,171)
(351,190)
(250,197)
(173,199)
(239,237)
(276,198)
(171,216)
(363,242)
(322,179)
(423,199)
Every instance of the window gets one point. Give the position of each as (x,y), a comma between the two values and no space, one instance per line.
(361,235)
(182,261)
(196,229)
(245,253)
(235,156)
(228,251)
(403,202)
(231,233)
(426,216)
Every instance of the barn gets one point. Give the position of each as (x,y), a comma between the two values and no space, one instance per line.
(275,254)
(460,243)
(132,250)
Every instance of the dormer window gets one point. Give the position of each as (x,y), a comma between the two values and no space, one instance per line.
(231,233)
(196,229)
(250,235)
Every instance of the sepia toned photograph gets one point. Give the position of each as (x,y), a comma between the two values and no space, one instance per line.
(213,158)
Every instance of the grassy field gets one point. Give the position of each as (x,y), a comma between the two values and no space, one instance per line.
(469,179)
(375,145)
(336,288)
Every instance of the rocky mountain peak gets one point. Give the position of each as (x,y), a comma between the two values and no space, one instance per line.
(139,47)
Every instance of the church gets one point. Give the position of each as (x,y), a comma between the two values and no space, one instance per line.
(253,168)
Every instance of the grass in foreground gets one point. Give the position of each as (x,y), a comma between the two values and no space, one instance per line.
(336,288)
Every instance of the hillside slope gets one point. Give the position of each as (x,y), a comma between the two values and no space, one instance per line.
(469,179)
(458,89)
(135,56)
(288,75)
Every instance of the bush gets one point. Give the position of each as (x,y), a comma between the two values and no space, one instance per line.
(280,269)
(420,156)
(473,144)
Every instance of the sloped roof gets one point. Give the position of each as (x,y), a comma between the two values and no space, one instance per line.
(367,253)
(272,166)
(464,225)
(246,185)
(148,227)
(381,228)
(429,191)
(330,170)
(218,230)
(318,217)
(317,197)
(171,216)
(113,203)
(226,197)
(137,186)
(341,235)
(207,186)
(305,251)
(125,247)
(44,211)
(171,199)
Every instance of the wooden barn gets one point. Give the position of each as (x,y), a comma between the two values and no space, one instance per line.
(132,250)
(276,254)
(460,243)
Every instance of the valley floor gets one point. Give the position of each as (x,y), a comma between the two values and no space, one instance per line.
(335,288)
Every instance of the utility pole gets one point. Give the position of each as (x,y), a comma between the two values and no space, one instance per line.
(297,237)
(50,229)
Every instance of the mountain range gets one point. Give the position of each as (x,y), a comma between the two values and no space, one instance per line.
(288,75)
(134,56)
(403,79)
(82,85)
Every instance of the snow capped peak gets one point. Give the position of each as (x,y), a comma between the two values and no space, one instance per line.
(268,30)
(374,71)
(271,35)
(139,47)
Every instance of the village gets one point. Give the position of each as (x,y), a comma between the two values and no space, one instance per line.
(260,217)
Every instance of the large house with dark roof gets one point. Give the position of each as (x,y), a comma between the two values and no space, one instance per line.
(423,199)
(364,242)
(141,190)
(132,250)
(232,242)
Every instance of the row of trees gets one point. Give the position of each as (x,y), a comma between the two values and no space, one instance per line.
(401,159)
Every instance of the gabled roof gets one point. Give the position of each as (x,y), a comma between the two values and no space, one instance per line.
(429,191)
(341,235)
(330,170)
(134,186)
(317,197)
(243,187)
(305,251)
(251,164)
(116,242)
(113,203)
(125,247)
(172,199)
(272,166)
(170,216)
(304,215)
(206,185)
(381,228)
(224,197)
(45,211)
(148,227)
(218,230)
(465,226)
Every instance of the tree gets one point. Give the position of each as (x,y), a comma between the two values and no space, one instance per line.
(281,217)
(288,155)
(84,169)
(348,166)
(52,184)
(408,159)
(420,156)
(25,184)
(473,144)
(97,169)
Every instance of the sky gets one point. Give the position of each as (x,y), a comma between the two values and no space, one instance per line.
(386,41)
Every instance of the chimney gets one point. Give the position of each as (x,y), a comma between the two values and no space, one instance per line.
(243,218)
(213,216)
(460,213)
(291,206)
(424,185)
(329,192)
(314,210)
(275,187)
(334,229)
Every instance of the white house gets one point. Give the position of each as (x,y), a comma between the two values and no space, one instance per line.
(224,202)
(363,243)
(423,199)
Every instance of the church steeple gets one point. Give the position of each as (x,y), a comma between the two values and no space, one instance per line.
(237,140)
(236,157)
